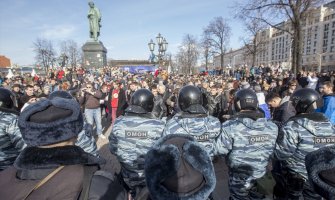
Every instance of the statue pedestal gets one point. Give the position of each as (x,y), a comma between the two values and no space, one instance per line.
(95,54)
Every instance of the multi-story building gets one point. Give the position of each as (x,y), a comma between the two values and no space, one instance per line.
(318,42)
(233,58)
(319,38)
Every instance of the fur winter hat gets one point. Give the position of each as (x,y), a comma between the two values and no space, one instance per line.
(320,166)
(179,168)
(50,121)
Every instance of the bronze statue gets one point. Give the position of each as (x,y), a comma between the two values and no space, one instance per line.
(94,18)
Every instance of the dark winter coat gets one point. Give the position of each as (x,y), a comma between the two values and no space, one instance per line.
(214,105)
(303,82)
(160,109)
(91,101)
(34,164)
(284,112)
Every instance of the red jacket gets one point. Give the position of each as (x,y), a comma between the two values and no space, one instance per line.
(60,75)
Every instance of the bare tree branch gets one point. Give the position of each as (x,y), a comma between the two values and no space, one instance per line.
(188,54)
(293,10)
(45,53)
(218,33)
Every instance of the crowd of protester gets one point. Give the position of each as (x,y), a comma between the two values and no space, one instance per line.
(112,89)
(105,94)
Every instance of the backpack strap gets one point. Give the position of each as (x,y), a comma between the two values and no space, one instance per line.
(44,180)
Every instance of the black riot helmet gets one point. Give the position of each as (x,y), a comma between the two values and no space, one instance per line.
(245,99)
(8,101)
(141,102)
(306,100)
(190,100)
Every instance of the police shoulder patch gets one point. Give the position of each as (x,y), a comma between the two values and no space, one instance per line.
(136,134)
(203,137)
(324,140)
(258,139)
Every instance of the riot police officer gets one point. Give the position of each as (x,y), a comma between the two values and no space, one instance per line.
(248,139)
(11,142)
(193,119)
(302,134)
(132,136)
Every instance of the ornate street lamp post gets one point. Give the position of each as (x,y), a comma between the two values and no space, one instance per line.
(64,60)
(162,46)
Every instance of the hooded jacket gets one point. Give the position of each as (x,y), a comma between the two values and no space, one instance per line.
(130,140)
(205,129)
(249,141)
(301,135)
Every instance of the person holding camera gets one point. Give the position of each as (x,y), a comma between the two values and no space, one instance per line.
(90,99)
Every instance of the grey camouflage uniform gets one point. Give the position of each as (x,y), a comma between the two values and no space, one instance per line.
(249,145)
(204,129)
(86,140)
(130,140)
(300,136)
(11,142)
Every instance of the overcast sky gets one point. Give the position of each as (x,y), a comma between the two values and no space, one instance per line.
(127,25)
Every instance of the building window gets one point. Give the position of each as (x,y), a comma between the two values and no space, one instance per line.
(331,57)
(323,57)
(325,43)
(332,49)
(326,27)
